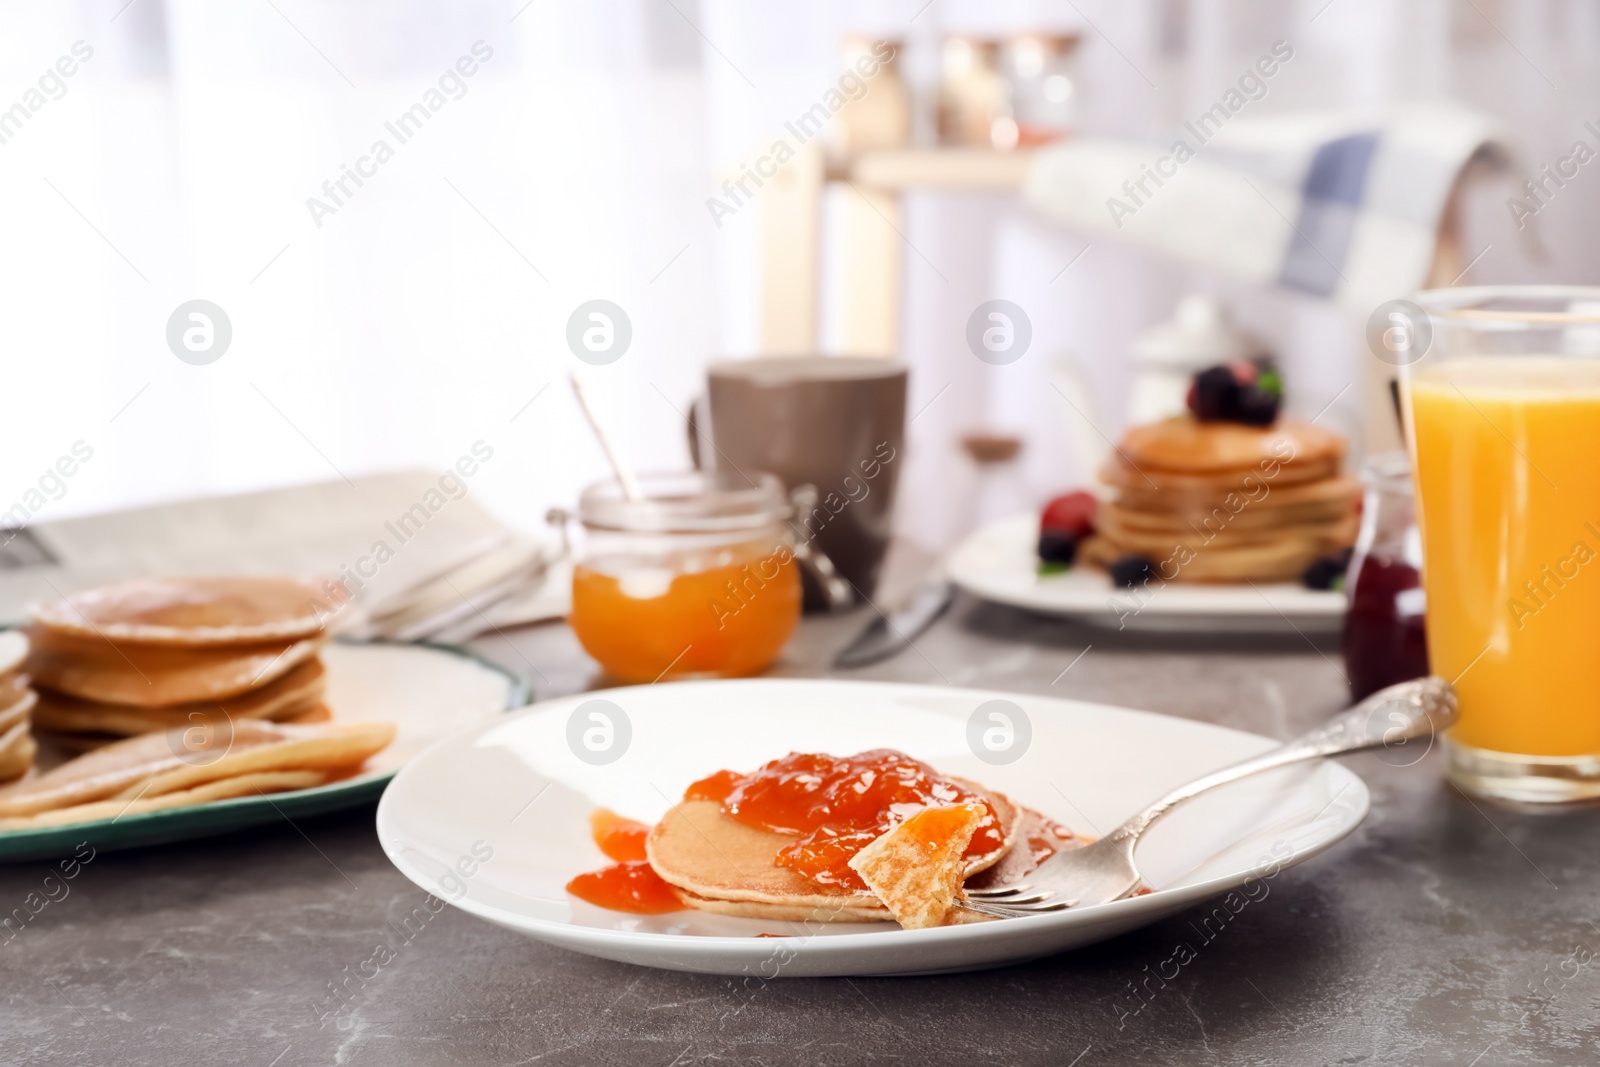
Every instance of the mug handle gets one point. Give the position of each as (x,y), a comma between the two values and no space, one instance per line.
(692,425)
(835,588)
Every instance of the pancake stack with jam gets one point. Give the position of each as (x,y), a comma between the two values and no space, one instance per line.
(1229,492)
(191,654)
(17,700)
(872,837)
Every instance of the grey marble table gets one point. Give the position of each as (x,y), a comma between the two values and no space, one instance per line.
(1441,932)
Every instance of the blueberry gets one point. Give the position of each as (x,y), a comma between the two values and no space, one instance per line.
(1131,572)
(1327,572)
(1057,546)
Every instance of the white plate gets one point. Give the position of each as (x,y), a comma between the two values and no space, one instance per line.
(999,563)
(495,819)
(427,691)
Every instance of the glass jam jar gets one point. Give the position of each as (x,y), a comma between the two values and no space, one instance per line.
(697,579)
(1384,641)
(1041,70)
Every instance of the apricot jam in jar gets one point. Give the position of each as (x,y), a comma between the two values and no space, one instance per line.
(697,579)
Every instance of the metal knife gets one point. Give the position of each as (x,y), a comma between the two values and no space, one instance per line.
(889,635)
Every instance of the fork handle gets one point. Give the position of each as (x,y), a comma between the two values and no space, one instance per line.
(1391,716)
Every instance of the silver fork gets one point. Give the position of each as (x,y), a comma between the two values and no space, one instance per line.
(1105,871)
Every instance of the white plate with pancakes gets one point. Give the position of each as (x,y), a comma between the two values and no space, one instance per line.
(999,563)
(164,708)
(426,692)
(495,819)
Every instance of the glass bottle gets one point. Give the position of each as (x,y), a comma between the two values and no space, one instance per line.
(880,117)
(1384,642)
(1041,70)
(974,99)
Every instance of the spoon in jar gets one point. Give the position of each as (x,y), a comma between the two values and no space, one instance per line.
(624,473)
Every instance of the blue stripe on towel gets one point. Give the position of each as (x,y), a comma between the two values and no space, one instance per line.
(1329,206)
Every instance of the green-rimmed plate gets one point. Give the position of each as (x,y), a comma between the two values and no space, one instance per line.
(427,691)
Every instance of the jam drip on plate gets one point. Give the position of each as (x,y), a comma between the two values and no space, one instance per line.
(620,839)
(836,806)
(630,884)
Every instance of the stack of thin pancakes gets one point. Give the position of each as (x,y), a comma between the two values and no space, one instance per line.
(194,654)
(17,700)
(1225,502)
(153,772)
(718,864)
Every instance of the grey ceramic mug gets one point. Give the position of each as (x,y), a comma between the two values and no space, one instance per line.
(836,423)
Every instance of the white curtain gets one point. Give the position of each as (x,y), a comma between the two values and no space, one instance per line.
(424,313)
(430,308)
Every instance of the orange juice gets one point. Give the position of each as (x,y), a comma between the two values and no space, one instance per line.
(644,621)
(1507,455)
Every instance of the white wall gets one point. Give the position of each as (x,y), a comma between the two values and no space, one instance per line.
(415,320)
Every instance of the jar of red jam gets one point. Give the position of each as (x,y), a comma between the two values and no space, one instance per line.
(1384,641)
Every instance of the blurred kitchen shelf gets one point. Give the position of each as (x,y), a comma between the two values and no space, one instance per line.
(937,168)
(870,224)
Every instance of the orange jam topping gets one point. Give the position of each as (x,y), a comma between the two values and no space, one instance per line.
(933,827)
(619,838)
(632,885)
(836,806)
(730,620)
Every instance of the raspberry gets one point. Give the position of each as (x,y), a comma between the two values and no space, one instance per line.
(1071,513)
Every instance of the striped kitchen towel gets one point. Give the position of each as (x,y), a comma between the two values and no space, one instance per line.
(1338,206)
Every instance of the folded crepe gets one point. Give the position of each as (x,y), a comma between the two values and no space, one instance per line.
(153,765)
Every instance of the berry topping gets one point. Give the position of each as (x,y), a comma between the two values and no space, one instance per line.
(1327,572)
(1236,392)
(1132,571)
(1212,394)
(1057,546)
(1071,513)
(1256,408)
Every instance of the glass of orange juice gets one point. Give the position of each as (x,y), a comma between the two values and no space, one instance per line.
(1504,426)
(697,579)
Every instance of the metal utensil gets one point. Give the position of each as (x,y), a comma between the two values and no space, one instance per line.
(608,445)
(835,587)
(1105,871)
(890,634)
